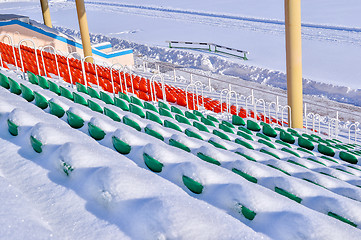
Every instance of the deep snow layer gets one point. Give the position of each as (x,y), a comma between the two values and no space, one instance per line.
(132,202)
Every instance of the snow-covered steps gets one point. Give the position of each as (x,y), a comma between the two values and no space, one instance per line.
(174,137)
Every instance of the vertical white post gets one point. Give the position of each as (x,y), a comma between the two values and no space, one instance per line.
(306,115)
(336,127)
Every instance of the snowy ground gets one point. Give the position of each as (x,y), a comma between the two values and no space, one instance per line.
(110,196)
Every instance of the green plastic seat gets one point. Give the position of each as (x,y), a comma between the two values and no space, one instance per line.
(131,123)
(261,135)
(124,96)
(153,117)
(14,86)
(245,130)
(310,181)
(74,120)
(279,169)
(288,194)
(345,171)
(190,115)
(136,101)
(40,100)
(225,128)
(244,143)
(198,113)
(106,98)
(304,143)
(56,109)
(4,82)
(153,164)
(237,120)
(95,132)
(164,112)
(217,145)
(120,103)
(269,131)
(213,119)
(43,82)
(247,213)
(316,161)
(228,124)
(176,110)
(93,93)
(245,175)
(267,143)
(182,119)
(269,153)
(290,151)
(177,144)
(329,159)
(95,106)
(283,143)
(207,122)
(121,146)
(192,185)
(325,150)
(136,110)
(64,92)
(113,115)
(246,156)
(12,128)
(150,106)
(253,126)
(26,92)
(32,78)
(244,135)
(208,159)
(153,133)
(200,126)
(79,99)
(36,144)
(54,87)
(338,217)
(221,135)
(286,137)
(81,88)
(305,150)
(348,157)
(163,105)
(192,134)
(169,124)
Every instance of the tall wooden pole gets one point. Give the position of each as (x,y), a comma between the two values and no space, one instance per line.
(46,13)
(294,61)
(84,30)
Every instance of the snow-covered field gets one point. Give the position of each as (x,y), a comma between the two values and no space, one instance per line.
(80,188)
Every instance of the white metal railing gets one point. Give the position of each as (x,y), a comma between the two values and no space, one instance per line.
(120,79)
(13,47)
(35,52)
(56,59)
(69,70)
